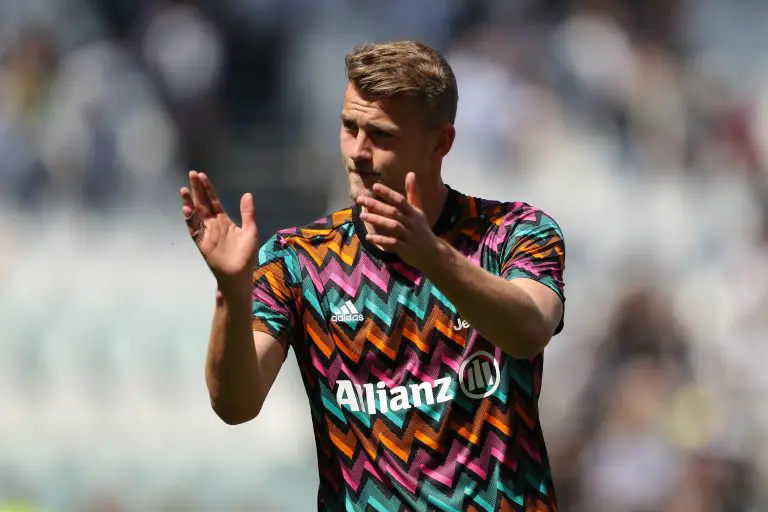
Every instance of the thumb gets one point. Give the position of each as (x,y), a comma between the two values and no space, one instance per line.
(412,191)
(247,212)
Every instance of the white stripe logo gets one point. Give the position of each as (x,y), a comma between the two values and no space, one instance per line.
(347,313)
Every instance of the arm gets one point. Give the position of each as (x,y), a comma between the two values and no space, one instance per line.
(252,326)
(242,364)
(243,357)
(518,316)
(519,309)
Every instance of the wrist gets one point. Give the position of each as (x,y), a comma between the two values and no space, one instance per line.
(438,257)
(234,289)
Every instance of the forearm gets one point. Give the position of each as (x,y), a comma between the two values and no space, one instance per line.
(501,312)
(231,365)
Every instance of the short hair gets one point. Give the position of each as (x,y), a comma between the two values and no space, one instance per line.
(405,68)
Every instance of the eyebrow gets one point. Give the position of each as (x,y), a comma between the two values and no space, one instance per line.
(385,127)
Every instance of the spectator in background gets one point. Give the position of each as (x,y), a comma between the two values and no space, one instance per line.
(617,459)
(26,72)
(183,50)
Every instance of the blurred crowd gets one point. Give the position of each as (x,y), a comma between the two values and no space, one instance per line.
(642,127)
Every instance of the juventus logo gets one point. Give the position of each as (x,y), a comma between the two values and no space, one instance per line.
(479,375)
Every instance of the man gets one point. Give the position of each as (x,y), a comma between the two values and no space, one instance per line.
(418,316)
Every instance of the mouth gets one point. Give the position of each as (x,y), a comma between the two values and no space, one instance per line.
(362,174)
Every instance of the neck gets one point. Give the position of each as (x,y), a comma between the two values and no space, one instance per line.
(433,200)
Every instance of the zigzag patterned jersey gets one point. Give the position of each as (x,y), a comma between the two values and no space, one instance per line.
(412,409)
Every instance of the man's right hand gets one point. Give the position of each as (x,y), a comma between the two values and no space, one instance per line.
(228,250)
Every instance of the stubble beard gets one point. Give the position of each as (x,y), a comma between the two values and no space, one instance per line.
(358,187)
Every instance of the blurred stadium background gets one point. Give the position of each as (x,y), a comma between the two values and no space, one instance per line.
(641,126)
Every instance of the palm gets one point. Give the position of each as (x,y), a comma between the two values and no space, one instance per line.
(228,250)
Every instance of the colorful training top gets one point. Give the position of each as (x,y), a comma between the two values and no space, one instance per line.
(412,409)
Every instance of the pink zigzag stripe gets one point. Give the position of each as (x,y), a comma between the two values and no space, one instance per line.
(337,367)
(311,271)
(371,273)
(459,455)
(447,471)
(406,271)
(265,297)
(498,239)
(403,479)
(528,214)
(499,455)
(434,475)
(420,458)
(464,459)
(535,268)
(390,383)
(354,475)
(518,211)
(432,368)
(451,362)
(339,280)
(530,451)
(361,376)
(317,364)
(426,372)
(332,271)
(407,483)
(416,372)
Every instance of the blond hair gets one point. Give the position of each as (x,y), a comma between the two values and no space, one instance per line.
(405,68)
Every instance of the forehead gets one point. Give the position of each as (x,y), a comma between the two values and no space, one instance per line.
(398,110)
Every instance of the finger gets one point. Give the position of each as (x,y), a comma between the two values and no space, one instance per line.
(213,198)
(248,212)
(384,225)
(191,217)
(187,204)
(375,206)
(389,243)
(200,198)
(396,199)
(412,191)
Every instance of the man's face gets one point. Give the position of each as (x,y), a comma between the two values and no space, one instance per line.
(381,141)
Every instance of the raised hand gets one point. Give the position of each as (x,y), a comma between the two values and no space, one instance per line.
(400,224)
(228,250)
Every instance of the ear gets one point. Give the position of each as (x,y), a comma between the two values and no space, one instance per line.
(446,134)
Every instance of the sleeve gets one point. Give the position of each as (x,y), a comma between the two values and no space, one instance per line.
(276,290)
(534,248)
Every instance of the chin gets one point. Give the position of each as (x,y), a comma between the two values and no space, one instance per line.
(359,191)
(357,188)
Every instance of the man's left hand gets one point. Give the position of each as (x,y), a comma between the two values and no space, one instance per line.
(400,224)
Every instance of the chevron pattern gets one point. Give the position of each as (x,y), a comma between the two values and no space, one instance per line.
(395,426)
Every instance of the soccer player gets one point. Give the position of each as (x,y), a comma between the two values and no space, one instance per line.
(417,316)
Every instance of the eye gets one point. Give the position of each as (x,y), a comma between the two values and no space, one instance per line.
(381,134)
(349,125)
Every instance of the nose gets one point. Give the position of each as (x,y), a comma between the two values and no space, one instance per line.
(361,147)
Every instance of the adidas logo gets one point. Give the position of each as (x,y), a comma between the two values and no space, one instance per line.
(347,313)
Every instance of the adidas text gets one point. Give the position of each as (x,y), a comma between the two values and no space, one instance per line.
(347,313)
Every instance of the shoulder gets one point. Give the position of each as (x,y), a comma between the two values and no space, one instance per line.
(318,231)
(508,215)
